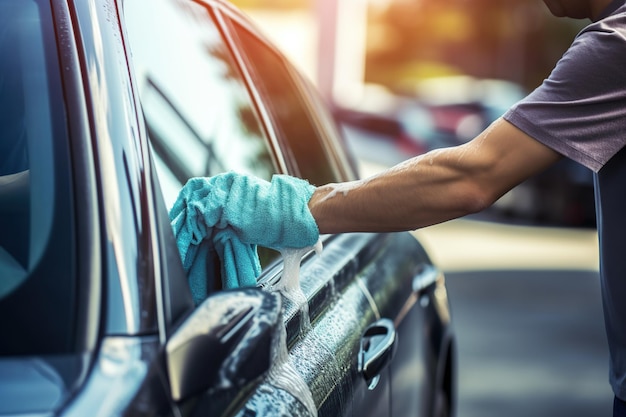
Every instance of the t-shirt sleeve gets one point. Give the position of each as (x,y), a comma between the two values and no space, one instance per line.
(580,109)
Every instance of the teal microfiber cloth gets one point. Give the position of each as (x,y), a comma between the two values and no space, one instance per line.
(232,213)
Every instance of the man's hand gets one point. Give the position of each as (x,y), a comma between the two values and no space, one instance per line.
(233,213)
(270,214)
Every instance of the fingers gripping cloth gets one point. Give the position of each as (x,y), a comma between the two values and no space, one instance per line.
(232,214)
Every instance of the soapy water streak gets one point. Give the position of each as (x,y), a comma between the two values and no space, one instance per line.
(283,374)
(289,283)
(290,279)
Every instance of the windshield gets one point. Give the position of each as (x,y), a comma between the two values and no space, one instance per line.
(36,281)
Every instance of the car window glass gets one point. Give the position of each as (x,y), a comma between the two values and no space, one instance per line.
(200,117)
(199,114)
(293,118)
(36,280)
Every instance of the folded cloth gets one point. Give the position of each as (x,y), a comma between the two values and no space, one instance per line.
(235,213)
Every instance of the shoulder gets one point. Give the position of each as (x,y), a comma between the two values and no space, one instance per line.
(606,35)
(580,110)
(598,50)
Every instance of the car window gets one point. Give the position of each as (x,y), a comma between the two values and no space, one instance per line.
(298,131)
(199,114)
(36,276)
(200,117)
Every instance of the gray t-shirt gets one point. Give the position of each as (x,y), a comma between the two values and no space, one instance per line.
(580,111)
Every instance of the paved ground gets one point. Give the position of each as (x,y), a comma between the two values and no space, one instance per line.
(531,343)
(528,317)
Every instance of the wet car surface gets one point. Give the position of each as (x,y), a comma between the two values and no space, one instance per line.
(107,109)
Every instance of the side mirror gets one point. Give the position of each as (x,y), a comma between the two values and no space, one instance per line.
(225,343)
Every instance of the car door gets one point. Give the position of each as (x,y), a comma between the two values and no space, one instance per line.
(208,109)
(327,351)
(399,277)
(394,272)
(202,120)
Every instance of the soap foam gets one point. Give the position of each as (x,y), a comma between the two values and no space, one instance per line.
(283,374)
(289,283)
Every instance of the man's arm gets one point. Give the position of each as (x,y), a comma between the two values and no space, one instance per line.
(440,185)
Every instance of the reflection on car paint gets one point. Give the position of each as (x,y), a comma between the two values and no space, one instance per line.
(122,364)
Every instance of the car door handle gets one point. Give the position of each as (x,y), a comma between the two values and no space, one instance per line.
(378,346)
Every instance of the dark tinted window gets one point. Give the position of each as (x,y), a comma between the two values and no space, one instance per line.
(292,115)
(200,117)
(36,278)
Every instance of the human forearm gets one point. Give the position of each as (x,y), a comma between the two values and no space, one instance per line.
(441,185)
(419,192)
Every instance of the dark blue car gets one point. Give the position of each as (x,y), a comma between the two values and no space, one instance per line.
(106,109)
